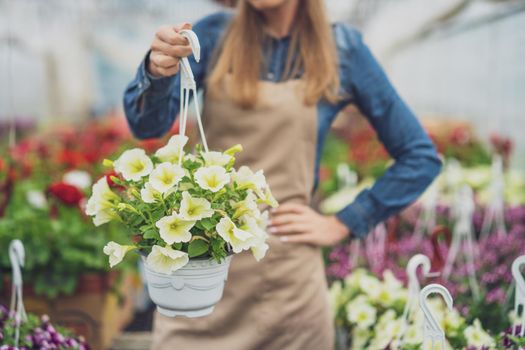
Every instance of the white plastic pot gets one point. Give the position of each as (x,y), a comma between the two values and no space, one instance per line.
(191,291)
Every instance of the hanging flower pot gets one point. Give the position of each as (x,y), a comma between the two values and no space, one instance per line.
(188,213)
(191,291)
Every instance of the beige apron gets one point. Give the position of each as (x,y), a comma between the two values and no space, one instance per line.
(280,302)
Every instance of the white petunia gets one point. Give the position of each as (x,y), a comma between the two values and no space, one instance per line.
(78,178)
(216,158)
(476,336)
(173,149)
(166,260)
(101,198)
(149,194)
(258,244)
(245,178)
(192,208)
(165,176)
(133,164)
(36,199)
(212,178)
(267,197)
(174,229)
(238,239)
(104,216)
(363,315)
(248,206)
(116,252)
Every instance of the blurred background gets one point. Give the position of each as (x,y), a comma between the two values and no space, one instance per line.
(65,64)
(70,60)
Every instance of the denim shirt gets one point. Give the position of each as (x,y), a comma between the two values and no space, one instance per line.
(151,106)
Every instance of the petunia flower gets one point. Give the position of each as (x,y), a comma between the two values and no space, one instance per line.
(133,164)
(165,176)
(246,178)
(166,259)
(116,252)
(212,178)
(174,229)
(216,158)
(257,242)
(104,216)
(101,198)
(192,208)
(267,197)
(239,239)
(248,206)
(149,194)
(173,149)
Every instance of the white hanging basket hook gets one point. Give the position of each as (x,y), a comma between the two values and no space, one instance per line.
(519,297)
(431,328)
(17,257)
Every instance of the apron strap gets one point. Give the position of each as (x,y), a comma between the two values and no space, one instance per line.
(187,85)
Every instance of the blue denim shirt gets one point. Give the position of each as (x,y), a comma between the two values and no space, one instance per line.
(152,104)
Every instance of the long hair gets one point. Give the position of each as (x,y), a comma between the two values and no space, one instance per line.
(312,51)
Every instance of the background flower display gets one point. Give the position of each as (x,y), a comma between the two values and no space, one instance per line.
(369,316)
(36,333)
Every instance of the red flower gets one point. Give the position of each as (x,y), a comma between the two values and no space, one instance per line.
(67,194)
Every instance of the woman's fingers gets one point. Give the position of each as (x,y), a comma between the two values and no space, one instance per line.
(281,219)
(167,72)
(162,61)
(170,50)
(300,238)
(290,208)
(288,229)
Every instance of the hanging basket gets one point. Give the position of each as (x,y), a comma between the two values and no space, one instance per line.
(192,291)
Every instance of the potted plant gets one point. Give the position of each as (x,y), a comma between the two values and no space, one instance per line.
(189,213)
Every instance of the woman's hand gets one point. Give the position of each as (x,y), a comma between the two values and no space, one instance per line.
(296,223)
(167,48)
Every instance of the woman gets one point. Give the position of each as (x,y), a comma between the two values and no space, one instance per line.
(275,76)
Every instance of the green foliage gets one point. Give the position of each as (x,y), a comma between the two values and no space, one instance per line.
(58,249)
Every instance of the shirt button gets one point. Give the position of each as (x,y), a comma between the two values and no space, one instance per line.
(271,76)
(140,85)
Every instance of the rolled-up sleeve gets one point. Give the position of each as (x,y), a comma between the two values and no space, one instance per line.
(416,162)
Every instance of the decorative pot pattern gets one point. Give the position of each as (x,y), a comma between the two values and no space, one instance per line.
(191,291)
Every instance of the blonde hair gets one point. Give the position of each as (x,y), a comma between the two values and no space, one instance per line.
(312,49)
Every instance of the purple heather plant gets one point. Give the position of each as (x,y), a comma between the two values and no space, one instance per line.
(36,333)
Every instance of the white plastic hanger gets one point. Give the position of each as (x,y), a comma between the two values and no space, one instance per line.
(414,288)
(17,258)
(519,297)
(463,234)
(431,329)
(495,211)
(187,85)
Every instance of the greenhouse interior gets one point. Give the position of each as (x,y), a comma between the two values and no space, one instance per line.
(157,190)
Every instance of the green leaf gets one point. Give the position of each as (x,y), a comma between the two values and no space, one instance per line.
(151,234)
(208,224)
(197,248)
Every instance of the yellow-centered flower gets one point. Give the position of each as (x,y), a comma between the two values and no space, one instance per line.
(101,198)
(212,178)
(174,229)
(246,178)
(149,194)
(192,208)
(165,176)
(172,150)
(216,158)
(133,164)
(238,239)
(166,260)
